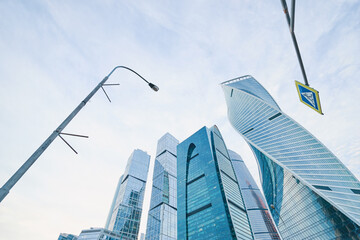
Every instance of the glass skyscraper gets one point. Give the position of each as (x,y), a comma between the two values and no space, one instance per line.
(99,234)
(161,223)
(311,194)
(66,236)
(262,224)
(113,203)
(210,205)
(128,200)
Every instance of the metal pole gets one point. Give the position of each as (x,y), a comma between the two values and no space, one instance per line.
(290,22)
(21,171)
(292,16)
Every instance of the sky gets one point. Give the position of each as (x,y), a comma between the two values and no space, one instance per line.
(53,53)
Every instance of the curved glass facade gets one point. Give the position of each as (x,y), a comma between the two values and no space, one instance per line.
(311,194)
(262,224)
(210,204)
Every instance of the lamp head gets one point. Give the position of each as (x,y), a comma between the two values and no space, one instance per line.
(154,87)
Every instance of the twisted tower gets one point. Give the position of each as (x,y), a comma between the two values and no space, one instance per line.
(310,192)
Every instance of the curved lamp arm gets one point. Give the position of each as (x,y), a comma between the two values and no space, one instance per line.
(151,85)
(21,171)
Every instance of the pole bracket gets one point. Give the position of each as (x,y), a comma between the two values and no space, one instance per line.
(108,84)
(73,135)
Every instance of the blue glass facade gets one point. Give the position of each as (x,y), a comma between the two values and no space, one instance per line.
(210,204)
(98,234)
(262,224)
(162,220)
(66,236)
(311,194)
(113,202)
(126,212)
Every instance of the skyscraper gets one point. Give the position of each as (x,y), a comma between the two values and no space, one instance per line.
(113,202)
(210,205)
(66,236)
(311,194)
(126,211)
(99,234)
(262,224)
(162,214)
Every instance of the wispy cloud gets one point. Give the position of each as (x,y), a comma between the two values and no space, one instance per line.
(54,53)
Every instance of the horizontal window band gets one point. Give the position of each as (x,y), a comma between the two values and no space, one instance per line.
(322,174)
(298,154)
(223,154)
(217,135)
(157,188)
(331,180)
(345,199)
(165,152)
(127,176)
(162,174)
(294,149)
(236,160)
(353,207)
(309,160)
(276,140)
(341,193)
(322,187)
(163,203)
(275,116)
(193,157)
(228,176)
(310,164)
(235,205)
(250,188)
(273,127)
(248,131)
(261,209)
(198,210)
(195,179)
(287,134)
(356,191)
(302,143)
(266,233)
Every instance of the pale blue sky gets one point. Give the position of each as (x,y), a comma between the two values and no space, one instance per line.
(53,53)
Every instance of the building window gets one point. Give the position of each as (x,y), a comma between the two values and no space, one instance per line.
(275,116)
(322,187)
(356,191)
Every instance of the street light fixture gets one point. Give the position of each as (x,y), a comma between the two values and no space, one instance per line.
(21,171)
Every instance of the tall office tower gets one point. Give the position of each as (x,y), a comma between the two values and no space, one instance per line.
(262,224)
(113,202)
(210,204)
(311,194)
(126,212)
(162,214)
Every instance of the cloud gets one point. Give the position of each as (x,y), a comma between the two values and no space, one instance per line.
(54,53)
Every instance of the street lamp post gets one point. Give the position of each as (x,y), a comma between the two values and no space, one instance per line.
(21,171)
